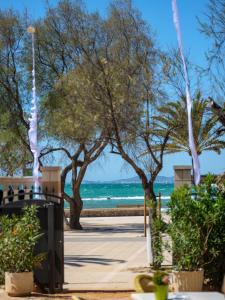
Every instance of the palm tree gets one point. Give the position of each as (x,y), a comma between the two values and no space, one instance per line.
(207,137)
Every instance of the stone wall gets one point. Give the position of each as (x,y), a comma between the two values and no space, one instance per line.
(182,176)
(110,212)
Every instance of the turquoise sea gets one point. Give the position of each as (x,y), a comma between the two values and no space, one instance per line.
(109,195)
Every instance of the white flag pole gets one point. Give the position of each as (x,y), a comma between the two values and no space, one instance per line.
(33,120)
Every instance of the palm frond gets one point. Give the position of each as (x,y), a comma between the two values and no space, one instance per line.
(205,128)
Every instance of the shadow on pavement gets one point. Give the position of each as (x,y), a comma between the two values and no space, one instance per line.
(82,260)
(125,228)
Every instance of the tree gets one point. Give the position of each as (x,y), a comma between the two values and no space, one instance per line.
(13,154)
(125,81)
(123,76)
(110,66)
(207,135)
(142,72)
(15,86)
(143,87)
(213,27)
(70,119)
(14,146)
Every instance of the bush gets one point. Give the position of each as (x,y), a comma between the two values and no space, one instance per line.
(184,231)
(18,237)
(197,229)
(158,228)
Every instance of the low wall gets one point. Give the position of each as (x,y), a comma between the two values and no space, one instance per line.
(110,212)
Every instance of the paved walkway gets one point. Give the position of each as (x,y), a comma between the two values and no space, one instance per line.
(106,255)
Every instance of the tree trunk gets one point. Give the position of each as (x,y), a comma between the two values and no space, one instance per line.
(75,211)
(152,203)
(151,198)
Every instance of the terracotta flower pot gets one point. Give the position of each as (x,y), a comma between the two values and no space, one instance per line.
(19,284)
(188,280)
(161,292)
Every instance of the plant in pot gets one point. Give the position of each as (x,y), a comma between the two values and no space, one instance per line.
(161,283)
(196,234)
(18,237)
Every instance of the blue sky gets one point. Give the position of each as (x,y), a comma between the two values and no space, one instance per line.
(158,14)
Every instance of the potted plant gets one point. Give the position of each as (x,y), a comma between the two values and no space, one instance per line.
(197,219)
(161,282)
(18,237)
(186,242)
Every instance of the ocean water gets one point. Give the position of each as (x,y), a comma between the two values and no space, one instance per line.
(109,195)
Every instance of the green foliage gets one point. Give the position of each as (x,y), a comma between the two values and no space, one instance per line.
(206,136)
(70,98)
(158,228)
(18,237)
(100,85)
(96,73)
(197,229)
(184,231)
(212,25)
(160,278)
(14,153)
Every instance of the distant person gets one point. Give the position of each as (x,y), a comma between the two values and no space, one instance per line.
(21,193)
(1,196)
(10,194)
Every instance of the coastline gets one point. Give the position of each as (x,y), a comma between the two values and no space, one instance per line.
(111,195)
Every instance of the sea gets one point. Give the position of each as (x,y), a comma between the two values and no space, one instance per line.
(112,195)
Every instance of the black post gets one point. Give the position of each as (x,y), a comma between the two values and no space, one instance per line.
(62,240)
(51,248)
(1,196)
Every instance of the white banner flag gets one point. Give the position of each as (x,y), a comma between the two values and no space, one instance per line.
(33,120)
(195,159)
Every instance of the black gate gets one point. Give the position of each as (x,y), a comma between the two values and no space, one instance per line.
(50,213)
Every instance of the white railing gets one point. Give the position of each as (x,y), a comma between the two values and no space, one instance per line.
(50,183)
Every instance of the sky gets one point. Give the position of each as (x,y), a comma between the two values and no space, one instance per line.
(158,14)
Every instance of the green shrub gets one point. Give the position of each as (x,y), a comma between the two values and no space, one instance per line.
(184,231)
(197,229)
(18,237)
(158,228)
